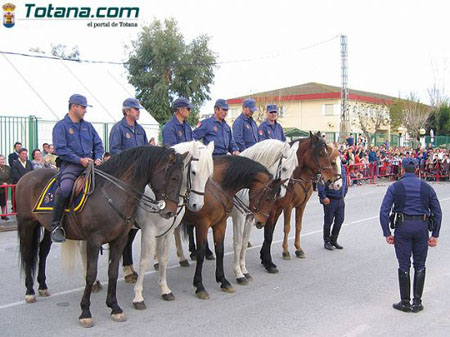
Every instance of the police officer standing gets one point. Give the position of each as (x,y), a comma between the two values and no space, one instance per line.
(245,131)
(416,210)
(177,130)
(124,135)
(270,128)
(216,129)
(76,144)
(334,210)
(127,133)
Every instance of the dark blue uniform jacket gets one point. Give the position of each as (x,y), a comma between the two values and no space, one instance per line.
(124,136)
(175,132)
(326,192)
(212,130)
(245,132)
(271,131)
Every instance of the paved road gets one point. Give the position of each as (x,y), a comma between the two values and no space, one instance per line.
(338,293)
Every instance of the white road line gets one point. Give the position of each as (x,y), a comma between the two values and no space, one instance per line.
(360,329)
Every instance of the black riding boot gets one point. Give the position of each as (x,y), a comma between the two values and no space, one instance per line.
(405,289)
(58,234)
(419,281)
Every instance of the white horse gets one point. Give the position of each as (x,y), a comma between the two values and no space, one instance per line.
(154,227)
(281,160)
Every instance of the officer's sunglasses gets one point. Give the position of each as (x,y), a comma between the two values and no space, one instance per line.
(273,112)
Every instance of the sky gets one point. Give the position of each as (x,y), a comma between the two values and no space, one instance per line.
(394,47)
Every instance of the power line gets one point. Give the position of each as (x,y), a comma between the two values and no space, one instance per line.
(259,58)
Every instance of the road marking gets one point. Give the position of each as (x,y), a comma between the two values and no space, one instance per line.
(360,329)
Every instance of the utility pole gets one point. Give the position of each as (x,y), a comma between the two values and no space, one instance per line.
(344,128)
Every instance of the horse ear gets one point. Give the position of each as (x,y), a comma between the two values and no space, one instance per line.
(210,147)
(172,156)
(310,134)
(286,149)
(184,155)
(295,146)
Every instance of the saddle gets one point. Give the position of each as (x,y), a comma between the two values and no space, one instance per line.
(80,193)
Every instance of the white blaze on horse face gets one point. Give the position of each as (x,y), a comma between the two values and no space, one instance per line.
(338,183)
(288,165)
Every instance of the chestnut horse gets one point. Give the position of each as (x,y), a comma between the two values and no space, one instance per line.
(231,174)
(317,162)
(106,217)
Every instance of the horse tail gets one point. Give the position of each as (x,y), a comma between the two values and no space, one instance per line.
(70,250)
(29,241)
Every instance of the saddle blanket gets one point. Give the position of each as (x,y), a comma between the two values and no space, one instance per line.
(47,198)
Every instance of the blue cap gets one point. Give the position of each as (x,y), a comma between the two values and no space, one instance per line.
(251,104)
(132,103)
(78,99)
(221,103)
(181,102)
(409,163)
(272,107)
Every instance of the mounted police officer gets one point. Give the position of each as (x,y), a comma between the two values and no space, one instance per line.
(127,133)
(416,210)
(76,144)
(216,129)
(245,130)
(124,135)
(270,128)
(177,130)
(334,210)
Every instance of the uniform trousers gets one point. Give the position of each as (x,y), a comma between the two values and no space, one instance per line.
(411,238)
(334,211)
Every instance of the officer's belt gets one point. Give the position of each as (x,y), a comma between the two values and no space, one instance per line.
(334,198)
(423,217)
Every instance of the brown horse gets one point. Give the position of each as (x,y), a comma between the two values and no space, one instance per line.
(231,174)
(317,162)
(106,217)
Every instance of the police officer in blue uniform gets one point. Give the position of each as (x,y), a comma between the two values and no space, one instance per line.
(270,128)
(124,135)
(216,129)
(127,133)
(76,144)
(245,130)
(177,130)
(414,202)
(334,210)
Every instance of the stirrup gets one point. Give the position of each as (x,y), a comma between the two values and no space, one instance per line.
(58,235)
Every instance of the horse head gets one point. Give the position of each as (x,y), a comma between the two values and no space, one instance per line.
(166,181)
(285,166)
(200,169)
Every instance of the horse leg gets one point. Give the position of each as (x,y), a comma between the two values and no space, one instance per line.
(147,241)
(287,228)
(130,274)
(192,249)
(163,245)
(219,236)
(237,246)
(201,234)
(245,240)
(83,253)
(29,233)
(183,261)
(298,228)
(116,249)
(43,253)
(265,255)
(91,275)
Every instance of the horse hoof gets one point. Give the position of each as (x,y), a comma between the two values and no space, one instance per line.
(286,256)
(168,297)
(227,289)
(156,266)
(131,278)
(30,298)
(119,317)
(248,277)
(44,293)
(96,287)
(210,257)
(242,281)
(272,270)
(184,263)
(139,305)
(87,322)
(202,294)
(300,254)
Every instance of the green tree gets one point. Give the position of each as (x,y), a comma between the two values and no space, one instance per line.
(162,66)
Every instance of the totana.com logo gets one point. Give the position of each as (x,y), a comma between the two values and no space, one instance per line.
(8,15)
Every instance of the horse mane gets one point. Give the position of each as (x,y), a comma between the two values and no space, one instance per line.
(266,152)
(205,158)
(143,158)
(241,171)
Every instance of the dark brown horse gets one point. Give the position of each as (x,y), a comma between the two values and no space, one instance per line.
(317,162)
(106,217)
(231,174)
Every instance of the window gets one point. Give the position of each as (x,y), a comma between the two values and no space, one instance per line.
(329,109)
(282,111)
